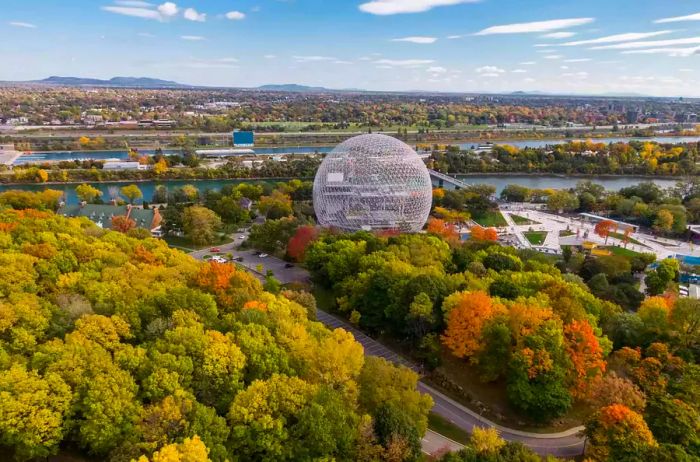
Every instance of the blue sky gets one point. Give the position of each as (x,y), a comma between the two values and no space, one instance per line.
(573,46)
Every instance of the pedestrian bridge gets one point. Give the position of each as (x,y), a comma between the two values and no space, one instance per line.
(446,181)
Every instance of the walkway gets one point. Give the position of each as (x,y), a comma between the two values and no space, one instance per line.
(442,179)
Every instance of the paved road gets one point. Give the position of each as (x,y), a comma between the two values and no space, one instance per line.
(564,444)
(435,443)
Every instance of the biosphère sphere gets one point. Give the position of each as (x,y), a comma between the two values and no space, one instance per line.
(373,182)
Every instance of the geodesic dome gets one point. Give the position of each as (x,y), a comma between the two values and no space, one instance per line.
(373,182)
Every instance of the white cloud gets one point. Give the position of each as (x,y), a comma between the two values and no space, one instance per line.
(311,59)
(537,26)
(142,13)
(270,56)
(404,62)
(416,39)
(519,71)
(192,15)
(134,3)
(192,38)
(436,70)
(145,34)
(340,61)
(690,17)
(25,25)
(235,15)
(559,35)
(454,37)
(628,37)
(553,57)
(528,80)
(673,52)
(168,9)
(577,60)
(143,10)
(685,70)
(649,44)
(489,71)
(576,75)
(528,63)
(564,68)
(388,7)
(223,63)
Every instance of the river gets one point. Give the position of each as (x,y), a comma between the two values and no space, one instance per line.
(54,156)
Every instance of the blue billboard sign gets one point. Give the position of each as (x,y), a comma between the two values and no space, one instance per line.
(243,139)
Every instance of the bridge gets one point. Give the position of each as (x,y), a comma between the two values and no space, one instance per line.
(446,181)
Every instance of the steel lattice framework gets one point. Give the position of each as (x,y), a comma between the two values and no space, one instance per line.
(373,182)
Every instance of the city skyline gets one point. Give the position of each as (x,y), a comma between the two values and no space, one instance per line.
(641,47)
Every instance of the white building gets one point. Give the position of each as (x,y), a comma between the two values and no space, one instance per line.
(123,165)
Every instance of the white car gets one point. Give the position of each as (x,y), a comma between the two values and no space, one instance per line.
(241,237)
(218,259)
(263,255)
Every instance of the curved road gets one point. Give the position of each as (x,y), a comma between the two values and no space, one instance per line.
(564,444)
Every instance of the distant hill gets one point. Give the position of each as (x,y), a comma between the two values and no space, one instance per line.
(293,87)
(121,82)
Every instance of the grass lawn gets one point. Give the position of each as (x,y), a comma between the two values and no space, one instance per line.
(523,221)
(491,401)
(490,218)
(621,251)
(621,237)
(446,428)
(565,233)
(536,237)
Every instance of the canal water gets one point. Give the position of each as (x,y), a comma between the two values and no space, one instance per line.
(499,181)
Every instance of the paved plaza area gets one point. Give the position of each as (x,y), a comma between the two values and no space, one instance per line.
(555,225)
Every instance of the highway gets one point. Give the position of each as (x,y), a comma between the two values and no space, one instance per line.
(563,444)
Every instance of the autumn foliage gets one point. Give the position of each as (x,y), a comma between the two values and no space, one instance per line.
(484,234)
(586,355)
(604,227)
(468,312)
(443,229)
(122,224)
(298,243)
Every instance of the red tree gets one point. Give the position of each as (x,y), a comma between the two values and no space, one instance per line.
(604,228)
(123,224)
(305,235)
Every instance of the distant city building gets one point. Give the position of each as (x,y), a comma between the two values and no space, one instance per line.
(373,182)
(243,139)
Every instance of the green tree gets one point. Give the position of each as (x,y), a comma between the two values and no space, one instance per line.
(200,225)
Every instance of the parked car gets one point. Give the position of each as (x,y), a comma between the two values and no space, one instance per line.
(289,265)
(215,249)
(241,237)
(218,259)
(263,255)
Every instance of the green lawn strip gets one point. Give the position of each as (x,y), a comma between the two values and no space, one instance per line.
(490,218)
(621,251)
(536,237)
(523,221)
(621,237)
(440,425)
(187,245)
(566,233)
